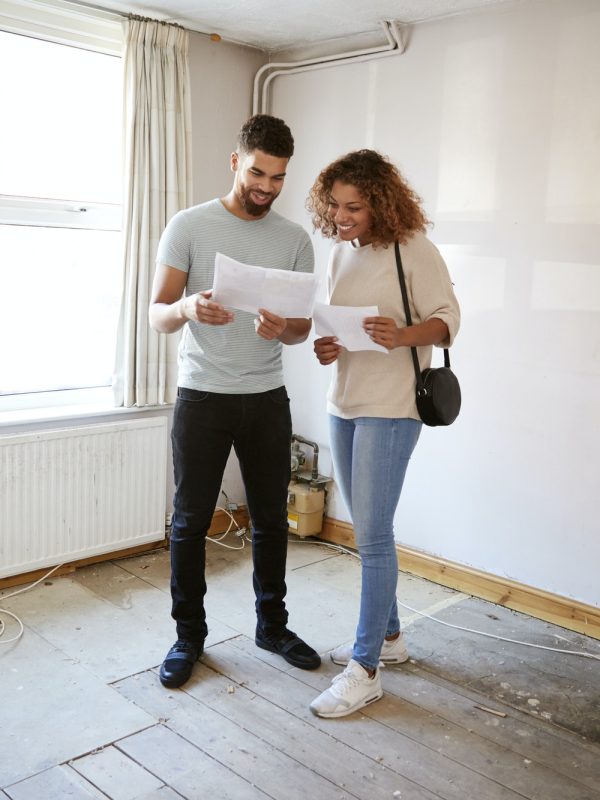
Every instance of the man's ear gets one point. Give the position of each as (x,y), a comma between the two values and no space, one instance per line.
(234,162)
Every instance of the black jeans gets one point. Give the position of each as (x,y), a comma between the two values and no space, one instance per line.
(205,426)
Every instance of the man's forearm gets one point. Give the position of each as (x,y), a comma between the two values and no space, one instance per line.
(167,317)
(296,331)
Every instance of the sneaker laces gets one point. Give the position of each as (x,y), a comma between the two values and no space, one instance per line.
(347,679)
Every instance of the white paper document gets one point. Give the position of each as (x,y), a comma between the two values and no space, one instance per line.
(281,291)
(345,322)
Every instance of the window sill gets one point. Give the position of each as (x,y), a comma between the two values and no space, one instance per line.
(35,416)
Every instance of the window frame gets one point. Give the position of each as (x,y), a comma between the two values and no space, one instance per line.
(46,213)
(63,23)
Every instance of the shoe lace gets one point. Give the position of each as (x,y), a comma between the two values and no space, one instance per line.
(346,680)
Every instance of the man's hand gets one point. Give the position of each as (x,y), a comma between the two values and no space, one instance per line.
(327,349)
(383,331)
(200,308)
(269,325)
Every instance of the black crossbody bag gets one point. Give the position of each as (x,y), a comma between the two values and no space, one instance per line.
(438,390)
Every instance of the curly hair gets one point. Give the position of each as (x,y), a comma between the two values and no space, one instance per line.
(266,133)
(395,207)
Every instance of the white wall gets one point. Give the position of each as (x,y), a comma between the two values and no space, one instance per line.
(494,118)
(221,76)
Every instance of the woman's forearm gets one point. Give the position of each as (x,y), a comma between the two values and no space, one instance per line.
(433,331)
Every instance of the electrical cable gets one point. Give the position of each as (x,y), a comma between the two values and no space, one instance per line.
(239,532)
(14,616)
(342,549)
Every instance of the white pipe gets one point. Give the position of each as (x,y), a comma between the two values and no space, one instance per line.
(399,48)
(392,45)
(398,38)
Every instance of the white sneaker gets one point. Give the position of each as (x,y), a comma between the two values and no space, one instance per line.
(350,690)
(393,652)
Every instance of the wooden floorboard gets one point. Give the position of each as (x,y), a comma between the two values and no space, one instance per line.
(185,767)
(110,770)
(459,752)
(263,765)
(405,758)
(331,759)
(534,740)
(241,728)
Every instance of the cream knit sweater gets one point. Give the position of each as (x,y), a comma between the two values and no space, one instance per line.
(373,384)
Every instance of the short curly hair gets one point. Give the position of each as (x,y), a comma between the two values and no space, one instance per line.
(266,133)
(395,207)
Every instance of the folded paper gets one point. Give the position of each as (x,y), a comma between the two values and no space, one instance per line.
(346,324)
(248,288)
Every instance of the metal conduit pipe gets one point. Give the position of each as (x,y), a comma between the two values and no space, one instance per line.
(315,447)
(393,44)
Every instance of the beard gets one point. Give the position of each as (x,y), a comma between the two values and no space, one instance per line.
(252,208)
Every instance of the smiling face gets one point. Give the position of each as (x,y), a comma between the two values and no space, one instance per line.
(350,213)
(258,181)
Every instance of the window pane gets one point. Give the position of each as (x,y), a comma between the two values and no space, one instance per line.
(59,307)
(61,130)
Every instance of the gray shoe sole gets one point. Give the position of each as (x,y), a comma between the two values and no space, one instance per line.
(384,660)
(347,711)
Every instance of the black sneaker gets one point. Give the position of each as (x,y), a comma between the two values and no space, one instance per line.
(290,647)
(177,666)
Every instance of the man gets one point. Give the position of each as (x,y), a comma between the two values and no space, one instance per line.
(230,390)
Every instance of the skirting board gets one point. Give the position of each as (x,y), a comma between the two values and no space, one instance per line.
(220,523)
(562,611)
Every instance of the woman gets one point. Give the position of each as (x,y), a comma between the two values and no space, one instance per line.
(362,201)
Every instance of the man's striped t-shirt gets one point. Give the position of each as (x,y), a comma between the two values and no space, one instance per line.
(232,358)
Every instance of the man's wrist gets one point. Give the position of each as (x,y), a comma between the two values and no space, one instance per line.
(180,310)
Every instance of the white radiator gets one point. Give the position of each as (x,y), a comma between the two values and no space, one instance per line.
(73,493)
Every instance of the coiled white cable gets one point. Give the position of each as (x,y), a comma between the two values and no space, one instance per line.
(239,532)
(14,616)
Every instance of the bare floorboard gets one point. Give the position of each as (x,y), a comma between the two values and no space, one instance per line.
(326,756)
(449,760)
(267,767)
(530,738)
(185,767)
(241,728)
(398,745)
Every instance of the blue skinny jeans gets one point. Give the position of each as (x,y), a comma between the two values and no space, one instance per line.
(370,457)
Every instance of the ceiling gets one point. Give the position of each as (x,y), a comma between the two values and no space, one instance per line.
(280,24)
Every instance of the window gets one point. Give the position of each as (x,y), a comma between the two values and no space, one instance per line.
(60,216)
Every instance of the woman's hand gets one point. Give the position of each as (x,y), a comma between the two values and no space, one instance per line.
(383,331)
(327,349)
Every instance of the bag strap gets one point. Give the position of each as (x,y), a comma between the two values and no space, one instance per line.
(420,388)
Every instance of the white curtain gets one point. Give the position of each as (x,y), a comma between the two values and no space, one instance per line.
(158,182)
